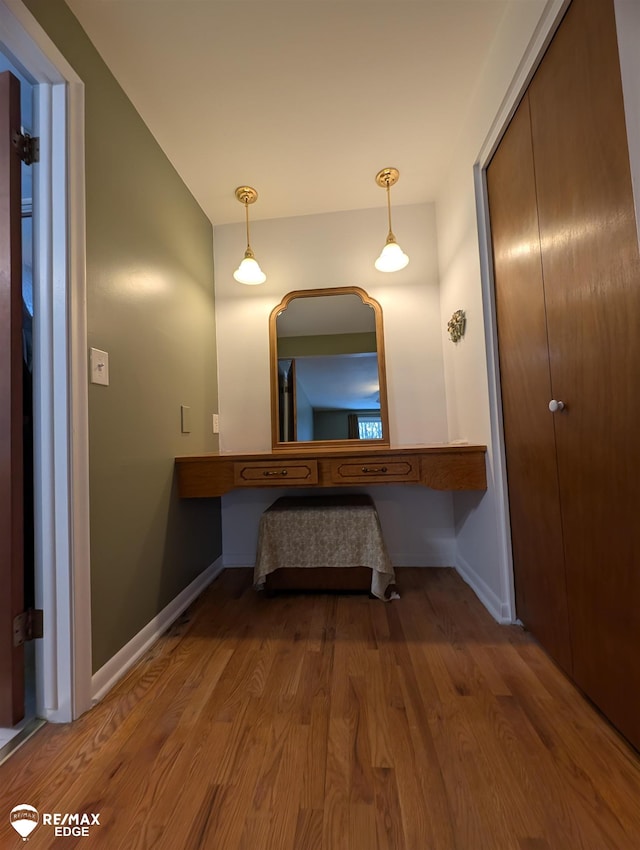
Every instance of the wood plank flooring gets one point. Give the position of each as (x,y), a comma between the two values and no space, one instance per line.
(320,722)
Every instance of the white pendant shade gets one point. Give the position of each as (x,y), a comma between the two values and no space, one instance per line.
(249,272)
(392,258)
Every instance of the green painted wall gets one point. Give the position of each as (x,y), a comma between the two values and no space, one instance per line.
(316,344)
(151,306)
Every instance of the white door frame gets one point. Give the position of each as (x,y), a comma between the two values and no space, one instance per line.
(61,444)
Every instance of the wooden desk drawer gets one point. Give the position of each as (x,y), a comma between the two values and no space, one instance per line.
(374,470)
(274,474)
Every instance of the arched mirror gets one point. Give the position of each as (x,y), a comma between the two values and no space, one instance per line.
(328,383)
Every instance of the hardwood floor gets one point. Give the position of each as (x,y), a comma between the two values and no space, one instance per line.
(325,723)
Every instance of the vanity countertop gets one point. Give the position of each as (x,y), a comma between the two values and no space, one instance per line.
(440,466)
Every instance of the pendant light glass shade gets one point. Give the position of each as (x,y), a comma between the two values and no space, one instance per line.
(248,272)
(392,258)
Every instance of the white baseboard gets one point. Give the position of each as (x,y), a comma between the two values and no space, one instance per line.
(498,609)
(106,677)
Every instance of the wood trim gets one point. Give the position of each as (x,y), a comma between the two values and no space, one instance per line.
(442,467)
(276,443)
(454,470)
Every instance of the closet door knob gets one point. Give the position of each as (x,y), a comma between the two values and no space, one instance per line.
(554,405)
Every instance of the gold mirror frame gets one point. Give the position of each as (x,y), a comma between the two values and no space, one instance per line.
(273,365)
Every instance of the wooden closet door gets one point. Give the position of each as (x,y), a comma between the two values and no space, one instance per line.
(534,503)
(592,286)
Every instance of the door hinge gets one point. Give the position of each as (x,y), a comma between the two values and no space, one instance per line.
(27,626)
(28,147)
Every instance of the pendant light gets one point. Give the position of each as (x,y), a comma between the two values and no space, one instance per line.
(392,258)
(248,271)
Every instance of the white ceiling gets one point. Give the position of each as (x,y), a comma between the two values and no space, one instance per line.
(303,99)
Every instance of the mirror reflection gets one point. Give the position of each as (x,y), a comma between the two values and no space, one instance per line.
(326,350)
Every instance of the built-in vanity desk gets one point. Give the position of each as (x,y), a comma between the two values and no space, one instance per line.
(329,429)
(326,349)
(440,467)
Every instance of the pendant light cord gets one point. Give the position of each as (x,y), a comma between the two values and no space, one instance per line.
(390,237)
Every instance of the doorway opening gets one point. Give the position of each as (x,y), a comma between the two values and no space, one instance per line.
(9,735)
(55,220)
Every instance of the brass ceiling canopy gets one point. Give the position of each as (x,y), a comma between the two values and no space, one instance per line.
(387,177)
(246,195)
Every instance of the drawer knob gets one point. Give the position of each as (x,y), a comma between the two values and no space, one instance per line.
(374,468)
(555,406)
(268,472)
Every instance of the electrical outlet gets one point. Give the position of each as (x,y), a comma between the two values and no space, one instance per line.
(215,423)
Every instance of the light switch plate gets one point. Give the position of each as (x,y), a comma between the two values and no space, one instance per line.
(185,418)
(99,366)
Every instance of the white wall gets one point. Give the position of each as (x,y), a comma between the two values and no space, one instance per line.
(334,249)
(337,249)
(483,549)
(417,523)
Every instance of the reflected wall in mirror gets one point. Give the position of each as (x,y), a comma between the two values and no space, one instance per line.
(328,383)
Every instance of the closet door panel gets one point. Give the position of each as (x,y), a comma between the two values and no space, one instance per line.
(592,288)
(526,389)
